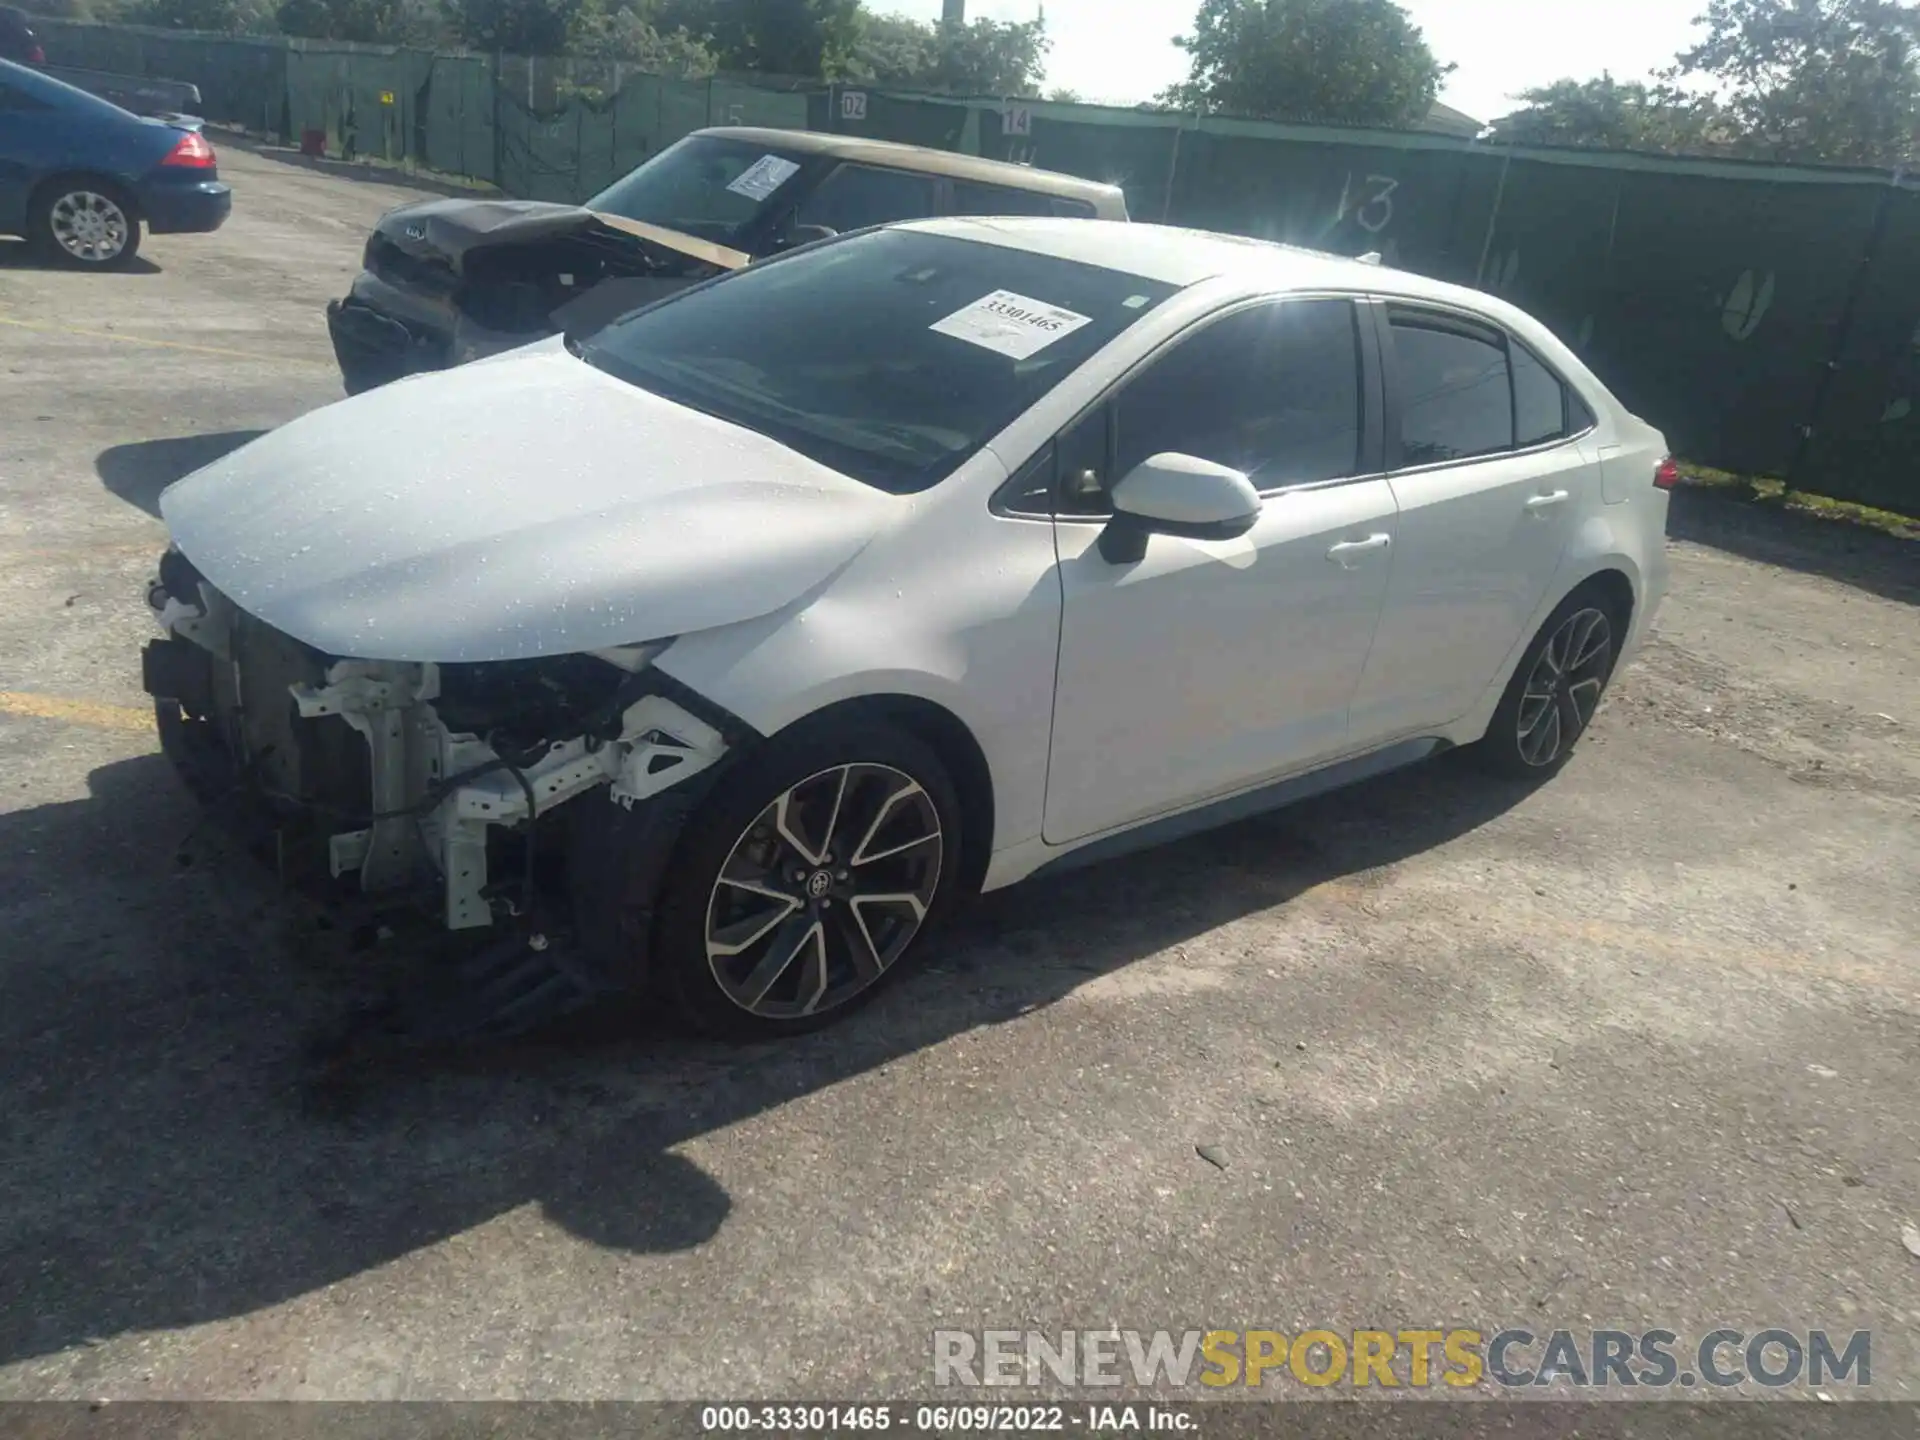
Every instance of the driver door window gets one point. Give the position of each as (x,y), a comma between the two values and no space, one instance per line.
(856,196)
(1272,391)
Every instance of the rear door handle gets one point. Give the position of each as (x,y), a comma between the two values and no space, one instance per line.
(1348,551)
(1547,502)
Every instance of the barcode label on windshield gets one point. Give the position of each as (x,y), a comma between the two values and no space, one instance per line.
(763,177)
(1012,325)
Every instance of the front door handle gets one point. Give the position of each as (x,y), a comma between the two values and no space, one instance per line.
(1546,502)
(1348,551)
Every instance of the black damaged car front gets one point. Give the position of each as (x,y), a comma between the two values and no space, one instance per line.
(447,281)
(452,280)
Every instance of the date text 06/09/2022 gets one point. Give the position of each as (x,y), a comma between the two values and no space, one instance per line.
(944,1419)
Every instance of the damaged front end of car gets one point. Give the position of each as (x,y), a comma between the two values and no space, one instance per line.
(445,282)
(525,807)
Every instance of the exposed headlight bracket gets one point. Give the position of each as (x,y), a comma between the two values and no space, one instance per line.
(415,756)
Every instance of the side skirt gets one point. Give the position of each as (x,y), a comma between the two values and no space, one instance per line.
(1247,803)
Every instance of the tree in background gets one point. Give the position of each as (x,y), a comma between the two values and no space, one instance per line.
(377,22)
(1822,80)
(1614,115)
(640,33)
(774,37)
(234,17)
(1352,62)
(984,57)
(97,10)
(518,27)
(892,50)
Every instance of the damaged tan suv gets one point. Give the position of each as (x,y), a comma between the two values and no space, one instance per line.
(446,281)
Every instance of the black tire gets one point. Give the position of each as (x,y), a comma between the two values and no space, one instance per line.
(56,201)
(193,750)
(1517,745)
(887,771)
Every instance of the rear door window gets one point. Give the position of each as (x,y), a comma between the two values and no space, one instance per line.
(1456,397)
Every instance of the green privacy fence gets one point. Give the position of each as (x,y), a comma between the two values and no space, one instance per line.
(1766,318)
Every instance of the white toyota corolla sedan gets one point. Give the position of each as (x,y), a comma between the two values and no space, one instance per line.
(722,649)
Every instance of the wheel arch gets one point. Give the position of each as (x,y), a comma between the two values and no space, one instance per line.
(119,184)
(1612,583)
(1614,576)
(953,742)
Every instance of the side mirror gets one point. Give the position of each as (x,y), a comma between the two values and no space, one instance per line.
(1171,494)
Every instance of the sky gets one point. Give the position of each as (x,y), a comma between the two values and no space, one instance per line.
(1119,51)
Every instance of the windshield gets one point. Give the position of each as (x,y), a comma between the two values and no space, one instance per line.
(703,186)
(891,356)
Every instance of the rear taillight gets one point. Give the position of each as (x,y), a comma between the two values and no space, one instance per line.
(1667,475)
(36,56)
(192,153)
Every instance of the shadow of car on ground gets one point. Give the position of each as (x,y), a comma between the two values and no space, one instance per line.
(19,255)
(175,1159)
(1842,550)
(138,472)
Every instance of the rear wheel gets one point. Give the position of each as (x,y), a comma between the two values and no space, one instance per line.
(805,880)
(1555,689)
(86,222)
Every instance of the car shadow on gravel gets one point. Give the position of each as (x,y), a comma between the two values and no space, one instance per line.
(138,472)
(18,255)
(1837,549)
(175,1160)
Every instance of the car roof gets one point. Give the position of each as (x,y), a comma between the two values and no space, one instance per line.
(1177,256)
(920,157)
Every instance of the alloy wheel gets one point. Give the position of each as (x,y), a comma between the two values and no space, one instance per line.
(1564,689)
(824,891)
(89,226)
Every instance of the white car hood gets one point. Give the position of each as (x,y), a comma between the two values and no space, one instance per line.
(527,505)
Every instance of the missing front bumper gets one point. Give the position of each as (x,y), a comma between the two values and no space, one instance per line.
(355,764)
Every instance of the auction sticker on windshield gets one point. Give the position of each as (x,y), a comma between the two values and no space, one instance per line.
(763,177)
(1011,325)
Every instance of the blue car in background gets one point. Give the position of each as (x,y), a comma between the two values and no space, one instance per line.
(80,176)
